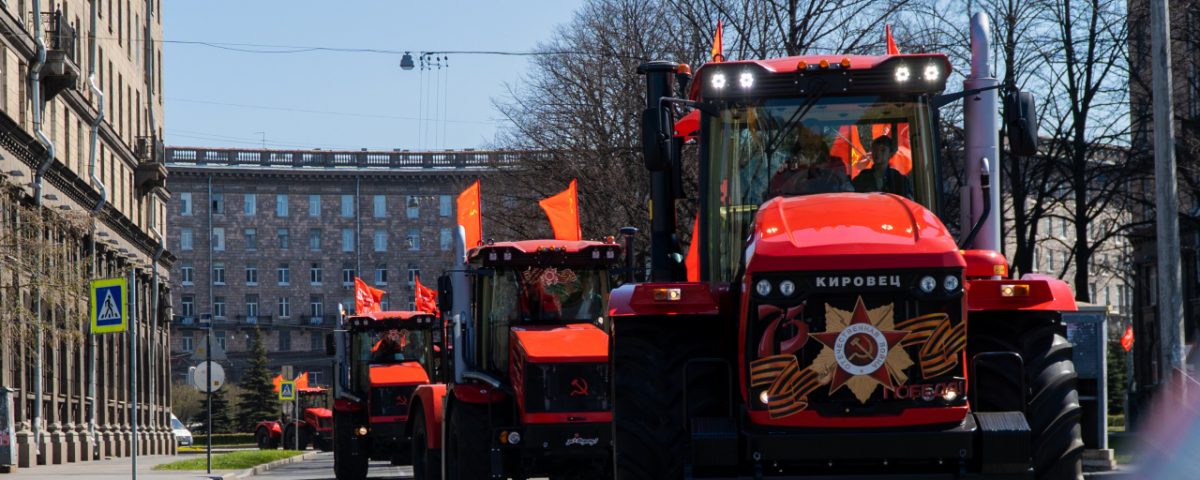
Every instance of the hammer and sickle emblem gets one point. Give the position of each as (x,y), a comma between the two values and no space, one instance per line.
(579,387)
(401,400)
(864,349)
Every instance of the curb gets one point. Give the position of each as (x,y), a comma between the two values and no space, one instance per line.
(255,470)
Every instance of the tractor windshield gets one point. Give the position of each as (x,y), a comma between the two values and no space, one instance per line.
(810,146)
(392,346)
(314,399)
(539,295)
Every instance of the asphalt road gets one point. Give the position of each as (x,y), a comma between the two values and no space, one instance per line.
(320,467)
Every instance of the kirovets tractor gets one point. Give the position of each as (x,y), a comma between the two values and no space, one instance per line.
(838,327)
(315,425)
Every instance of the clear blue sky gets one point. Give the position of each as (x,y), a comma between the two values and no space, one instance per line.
(220,97)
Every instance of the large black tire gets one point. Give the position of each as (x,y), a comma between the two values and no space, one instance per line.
(290,438)
(347,465)
(467,448)
(426,462)
(324,444)
(263,438)
(651,440)
(1051,400)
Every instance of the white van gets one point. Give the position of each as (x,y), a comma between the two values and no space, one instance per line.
(183,436)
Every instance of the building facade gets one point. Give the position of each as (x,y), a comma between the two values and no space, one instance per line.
(273,239)
(82,197)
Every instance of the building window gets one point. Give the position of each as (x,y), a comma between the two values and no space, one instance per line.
(285,310)
(251,274)
(316,344)
(316,307)
(1050,261)
(251,306)
(218,274)
(187,306)
(187,343)
(380,206)
(285,340)
(381,274)
(250,207)
(284,273)
(185,204)
(413,273)
(314,239)
(281,205)
(314,274)
(314,205)
(412,207)
(414,239)
(251,238)
(185,238)
(218,307)
(218,239)
(283,236)
(347,205)
(221,340)
(185,272)
(444,241)
(380,240)
(218,203)
(445,206)
(347,274)
(347,240)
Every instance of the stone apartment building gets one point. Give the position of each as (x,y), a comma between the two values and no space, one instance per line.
(81,197)
(272,239)
(1185,57)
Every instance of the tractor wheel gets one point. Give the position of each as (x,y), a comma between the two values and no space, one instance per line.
(426,462)
(1051,400)
(649,358)
(324,444)
(347,465)
(290,440)
(467,446)
(263,438)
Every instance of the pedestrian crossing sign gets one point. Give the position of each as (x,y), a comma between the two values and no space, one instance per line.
(287,391)
(108,305)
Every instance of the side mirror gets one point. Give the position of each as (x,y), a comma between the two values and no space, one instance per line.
(330,347)
(445,294)
(1020,119)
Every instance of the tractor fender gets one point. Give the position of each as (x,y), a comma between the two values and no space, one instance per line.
(1035,293)
(274,430)
(693,299)
(347,406)
(428,399)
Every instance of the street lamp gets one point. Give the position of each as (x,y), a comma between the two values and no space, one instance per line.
(406,62)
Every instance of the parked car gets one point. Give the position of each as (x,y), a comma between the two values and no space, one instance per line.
(183,436)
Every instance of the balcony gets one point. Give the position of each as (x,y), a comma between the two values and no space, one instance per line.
(255,320)
(61,70)
(151,171)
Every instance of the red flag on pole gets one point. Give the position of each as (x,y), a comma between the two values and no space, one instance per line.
(366,298)
(848,148)
(425,298)
(692,260)
(302,381)
(563,211)
(891,42)
(1127,338)
(718,50)
(278,380)
(469,215)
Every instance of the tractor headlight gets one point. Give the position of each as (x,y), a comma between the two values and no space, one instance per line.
(763,287)
(950,283)
(950,394)
(927,284)
(361,431)
(787,287)
(902,74)
(746,80)
(764,397)
(718,81)
(932,72)
(514,438)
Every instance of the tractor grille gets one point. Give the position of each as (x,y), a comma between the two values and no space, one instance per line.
(566,387)
(806,354)
(390,401)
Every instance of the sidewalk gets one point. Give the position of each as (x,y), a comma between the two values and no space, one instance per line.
(111,469)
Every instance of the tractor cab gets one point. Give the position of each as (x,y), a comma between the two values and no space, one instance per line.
(390,354)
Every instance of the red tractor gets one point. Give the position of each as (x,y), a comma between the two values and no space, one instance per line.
(528,393)
(382,358)
(315,425)
(838,327)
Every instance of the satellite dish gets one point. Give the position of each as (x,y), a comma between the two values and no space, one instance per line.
(200,377)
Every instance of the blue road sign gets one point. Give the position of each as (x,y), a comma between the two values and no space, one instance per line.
(108,311)
(287,391)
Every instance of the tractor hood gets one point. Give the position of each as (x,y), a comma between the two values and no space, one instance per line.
(407,373)
(572,343)
(319,412)
(843,231)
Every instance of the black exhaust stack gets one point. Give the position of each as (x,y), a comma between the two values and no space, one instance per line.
(660,153)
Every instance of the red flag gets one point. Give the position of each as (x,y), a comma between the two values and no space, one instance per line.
(278,380)
(425,298)
(302,381)
(718,50)
(1127,338)
(891,42)
(848,148)
(366,298)
(469,215)
(563,211)
(902,159)
(692,260)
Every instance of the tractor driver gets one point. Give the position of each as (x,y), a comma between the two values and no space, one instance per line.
(539,304)
(386,349)
(881,177)
(809,169)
